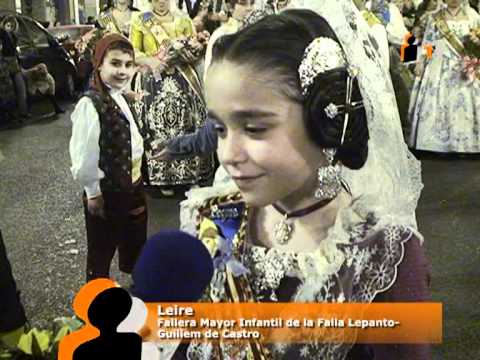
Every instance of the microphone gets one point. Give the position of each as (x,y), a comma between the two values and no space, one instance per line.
(173,267)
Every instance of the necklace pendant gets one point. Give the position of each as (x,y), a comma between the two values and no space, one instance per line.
(283,231)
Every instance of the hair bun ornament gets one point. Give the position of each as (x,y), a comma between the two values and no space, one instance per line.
(331,111)
(321,55)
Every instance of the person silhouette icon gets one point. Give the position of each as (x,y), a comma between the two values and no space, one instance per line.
(410,50)
(106,312)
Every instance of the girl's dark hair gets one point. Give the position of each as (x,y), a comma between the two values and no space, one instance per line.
(276,44)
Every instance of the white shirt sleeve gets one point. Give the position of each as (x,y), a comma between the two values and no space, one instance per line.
(84,147)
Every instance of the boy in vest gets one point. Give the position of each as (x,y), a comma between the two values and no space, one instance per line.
(106,150)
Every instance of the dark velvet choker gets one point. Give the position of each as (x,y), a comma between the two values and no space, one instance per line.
(283,230)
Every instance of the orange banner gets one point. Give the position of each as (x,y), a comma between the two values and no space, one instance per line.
(297,322)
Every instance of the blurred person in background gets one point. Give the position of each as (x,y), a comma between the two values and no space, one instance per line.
(166,44)
(41,82)
(444,106)
(117,17)
(218,14)
(9,26)
(241,8)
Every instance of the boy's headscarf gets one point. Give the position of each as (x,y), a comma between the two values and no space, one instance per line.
(101,49)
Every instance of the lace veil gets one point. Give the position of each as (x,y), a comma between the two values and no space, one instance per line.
(390,181)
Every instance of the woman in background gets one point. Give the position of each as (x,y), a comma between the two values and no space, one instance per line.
(240,10)
(40,82)
(165,41)
(454,125)
(117,18)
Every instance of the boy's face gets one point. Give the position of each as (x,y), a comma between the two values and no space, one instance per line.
(117,69)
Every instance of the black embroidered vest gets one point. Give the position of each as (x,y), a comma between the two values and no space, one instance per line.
(115,143)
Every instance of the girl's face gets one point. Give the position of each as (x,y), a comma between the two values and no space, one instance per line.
(161,6)
(9,26)
(117,69)
(262,139)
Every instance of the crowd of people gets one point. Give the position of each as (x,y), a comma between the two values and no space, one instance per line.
(296,100)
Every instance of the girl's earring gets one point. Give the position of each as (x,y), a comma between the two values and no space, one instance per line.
(329,177)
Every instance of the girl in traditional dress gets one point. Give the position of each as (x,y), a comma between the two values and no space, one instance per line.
(117,17)
(165,41)
(309,132)
(444,106)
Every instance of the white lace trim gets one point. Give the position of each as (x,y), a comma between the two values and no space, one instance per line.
(195,199)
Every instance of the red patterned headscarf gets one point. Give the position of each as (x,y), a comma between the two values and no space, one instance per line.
(101,49)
